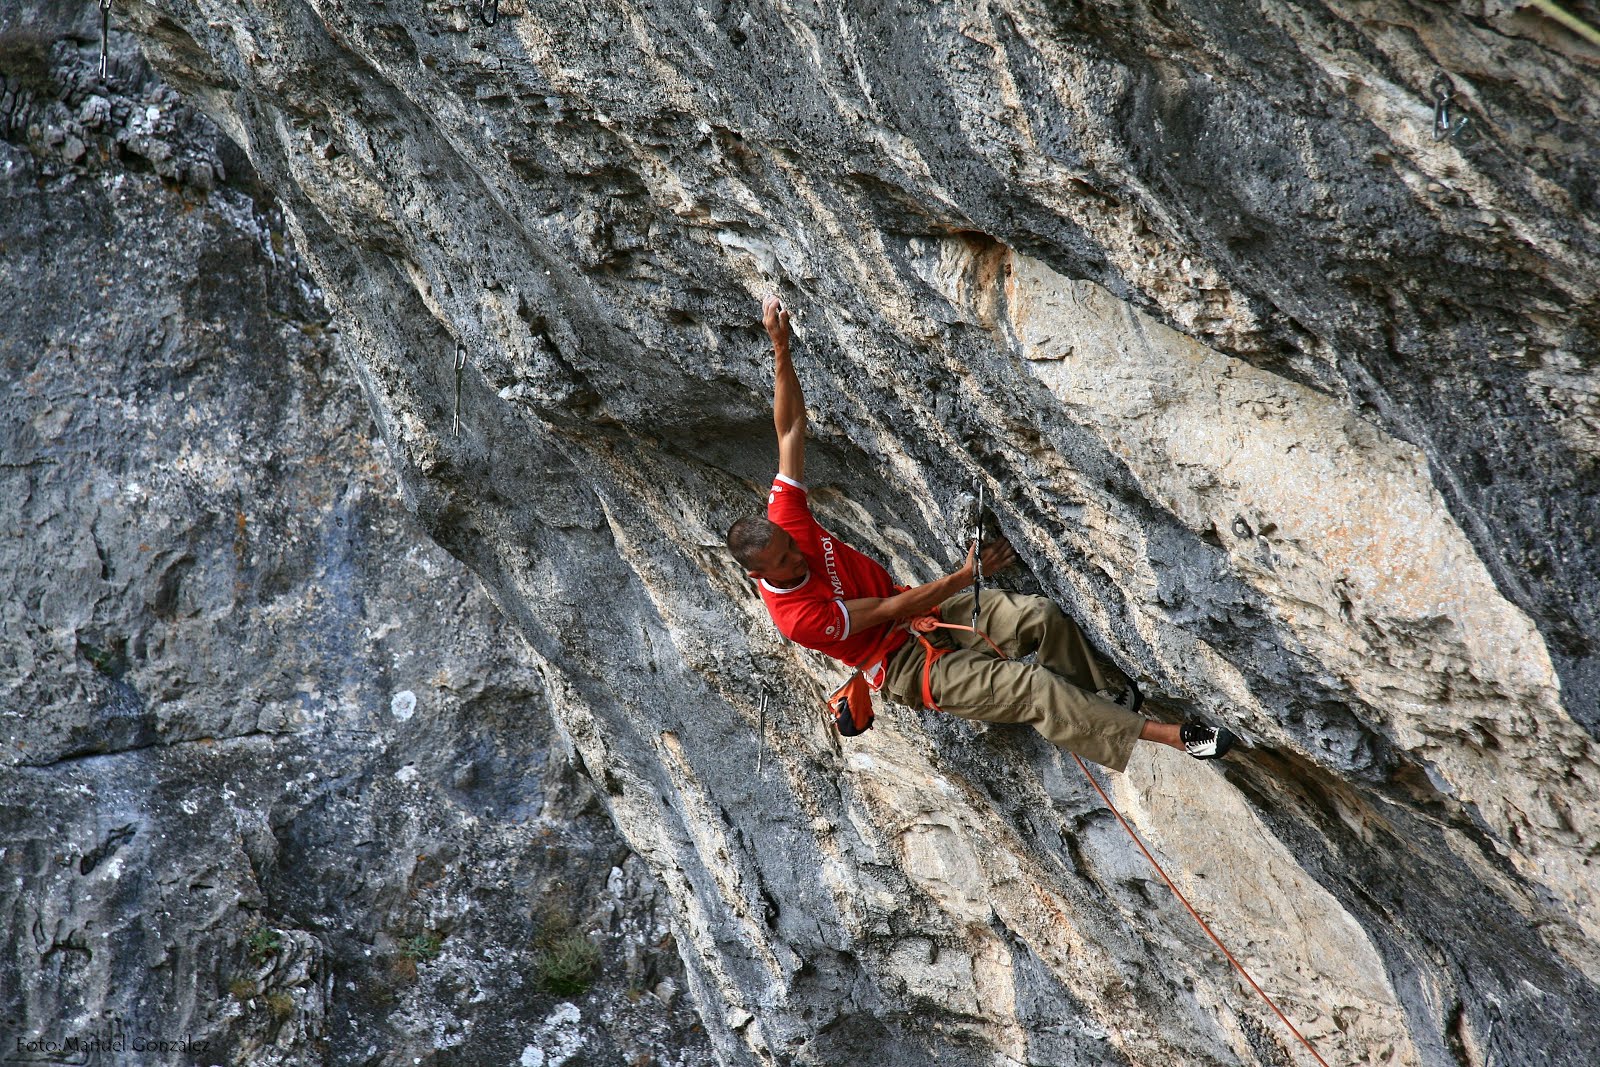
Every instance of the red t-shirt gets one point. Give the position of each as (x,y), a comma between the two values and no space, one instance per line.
(813,613)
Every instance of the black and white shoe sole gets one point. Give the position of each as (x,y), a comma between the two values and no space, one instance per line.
(1214,747)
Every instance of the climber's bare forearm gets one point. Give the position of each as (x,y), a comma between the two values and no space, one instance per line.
(918,600)
(788,399)
(921,599)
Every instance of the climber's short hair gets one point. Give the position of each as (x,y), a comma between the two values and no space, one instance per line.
(748,536)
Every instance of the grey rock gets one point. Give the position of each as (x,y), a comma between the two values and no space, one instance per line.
(219,843)
(1162,275)
(1293,404)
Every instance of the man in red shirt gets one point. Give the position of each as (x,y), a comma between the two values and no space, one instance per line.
(827,596)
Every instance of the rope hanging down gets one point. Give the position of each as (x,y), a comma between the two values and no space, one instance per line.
(1570,21)
(926,625)
(1190,908)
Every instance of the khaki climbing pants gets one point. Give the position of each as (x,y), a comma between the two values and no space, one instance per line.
(1055,694)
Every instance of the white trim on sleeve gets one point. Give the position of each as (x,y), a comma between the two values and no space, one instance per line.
(786,480)
(846,613)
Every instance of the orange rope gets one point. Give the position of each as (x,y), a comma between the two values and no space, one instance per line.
(926,624)
(929,623)
(1184,901)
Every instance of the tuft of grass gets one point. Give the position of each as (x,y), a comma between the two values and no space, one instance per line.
(262,943)
(565,964)
(565,960)
(281,1004)
(242,988)
(421,948)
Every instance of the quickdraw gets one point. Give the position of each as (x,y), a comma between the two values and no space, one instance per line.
(977,556)
(923,625)
(1444,92)
(105,37)
(461,365)
(761,728)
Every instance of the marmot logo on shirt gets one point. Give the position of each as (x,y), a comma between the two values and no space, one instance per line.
(828,561)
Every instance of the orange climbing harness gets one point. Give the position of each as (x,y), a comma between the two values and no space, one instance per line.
(924,625)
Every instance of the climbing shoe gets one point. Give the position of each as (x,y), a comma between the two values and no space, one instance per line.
(1205,742)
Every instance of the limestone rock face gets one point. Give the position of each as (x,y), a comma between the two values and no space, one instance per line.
(276,785)
(1282,378)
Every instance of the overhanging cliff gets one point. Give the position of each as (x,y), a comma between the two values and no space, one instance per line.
(1291,401)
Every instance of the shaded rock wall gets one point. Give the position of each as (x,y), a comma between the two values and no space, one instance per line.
(277,785)
(1292,403)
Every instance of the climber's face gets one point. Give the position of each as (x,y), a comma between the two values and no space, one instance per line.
(780,563)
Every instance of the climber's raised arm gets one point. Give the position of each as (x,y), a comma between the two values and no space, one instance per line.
(788,402)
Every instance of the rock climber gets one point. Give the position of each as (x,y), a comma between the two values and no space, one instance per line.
(825,595)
